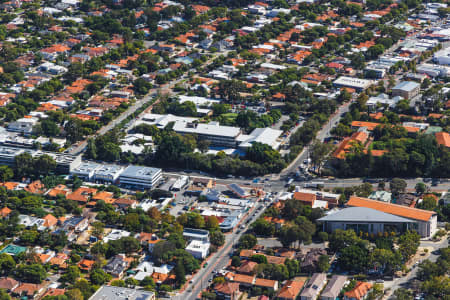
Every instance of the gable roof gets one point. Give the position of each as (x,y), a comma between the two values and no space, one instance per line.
(443,138)
(28,288)
(305,197)
(50,220)
(5,211)
(8,283)
(247,267)
(359,291)
(393,209)
(334,286)
(291,289)
(227,288)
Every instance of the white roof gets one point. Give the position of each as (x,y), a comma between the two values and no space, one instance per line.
(353,82)
(211,129)
(272,66)
(198,101)
(266,136)
(116,234)
(161,121)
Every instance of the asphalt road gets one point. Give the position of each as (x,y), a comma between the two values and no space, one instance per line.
(138,104)
(218,260)
(321,135)
(403,282)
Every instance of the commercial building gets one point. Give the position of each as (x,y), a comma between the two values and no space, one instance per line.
(198,249)
(107,173)
(382,100)
(238,191)
(354,83)
(180,183)
(85,170)
(121,293)
(314,286)
(433,70)
(64,162)
(442,57)
(266,136)
(140,177)
(333,288)
(190,234)
(365,219)
(406,89)
(161,121)
(222,136)
(423,221)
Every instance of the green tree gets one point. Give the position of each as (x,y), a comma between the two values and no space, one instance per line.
(44,165)
(141,86)
(99,277)
(323,263)
(211,223)
(397,186)
(354,257)
(7,264)
(247,241)
(34,273)
(98,229)
(235,261)
(180,273)
(217,238)
(408,244)
(4,295)
(71,275)
(23,165)
(428,203)
(6,173)
(437,287)
(421,188)
(317,152)
(49,128)
(263,228)
(403,294)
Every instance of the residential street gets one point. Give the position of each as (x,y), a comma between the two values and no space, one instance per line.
(404,282)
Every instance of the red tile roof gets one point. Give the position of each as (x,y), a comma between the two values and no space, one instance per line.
(393,209)
(360,291)
(443,138)
(291,289)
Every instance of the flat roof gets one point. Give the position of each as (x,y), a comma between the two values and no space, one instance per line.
(140,172)
(121,293)
(211,129)
(86,167)
(406,86)
(354,82)
(108,170)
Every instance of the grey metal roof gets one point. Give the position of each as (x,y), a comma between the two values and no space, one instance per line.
(334,286)
(363,214)
(140,172)
(120,293)
(406,86)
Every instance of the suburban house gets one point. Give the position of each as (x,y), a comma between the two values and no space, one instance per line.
(333,288)
(290,290)
(227,290)
(314,286)
(359,292)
